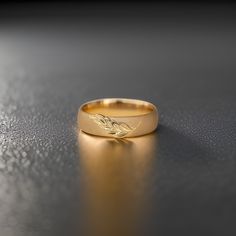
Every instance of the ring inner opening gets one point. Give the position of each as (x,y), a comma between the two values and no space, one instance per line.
(118,108)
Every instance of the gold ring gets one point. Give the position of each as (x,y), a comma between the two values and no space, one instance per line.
(118,117)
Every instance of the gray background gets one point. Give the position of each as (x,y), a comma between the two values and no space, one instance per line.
(55,57)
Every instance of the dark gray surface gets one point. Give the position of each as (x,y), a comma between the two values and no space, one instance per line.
(182,60)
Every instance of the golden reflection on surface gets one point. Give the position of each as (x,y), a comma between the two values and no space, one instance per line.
(115,177)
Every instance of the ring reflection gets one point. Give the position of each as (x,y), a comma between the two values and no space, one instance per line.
(116,175)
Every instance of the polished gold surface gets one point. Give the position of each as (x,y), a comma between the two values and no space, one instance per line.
(116,176)
(118,117)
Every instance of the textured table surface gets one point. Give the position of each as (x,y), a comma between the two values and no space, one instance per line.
(179,181)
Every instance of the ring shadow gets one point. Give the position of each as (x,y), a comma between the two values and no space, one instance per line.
(180,192)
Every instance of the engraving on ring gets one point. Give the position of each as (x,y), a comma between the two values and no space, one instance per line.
(111,126)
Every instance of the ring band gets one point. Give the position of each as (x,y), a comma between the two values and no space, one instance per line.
(118,117)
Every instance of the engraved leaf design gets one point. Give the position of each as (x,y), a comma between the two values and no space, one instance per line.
(113,127)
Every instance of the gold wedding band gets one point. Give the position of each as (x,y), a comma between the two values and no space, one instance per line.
(118,117)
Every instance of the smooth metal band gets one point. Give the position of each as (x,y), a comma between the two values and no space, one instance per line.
(118,117)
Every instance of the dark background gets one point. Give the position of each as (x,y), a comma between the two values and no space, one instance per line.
(181,57)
